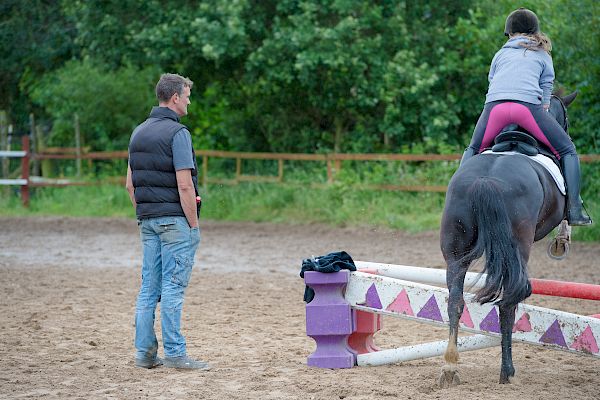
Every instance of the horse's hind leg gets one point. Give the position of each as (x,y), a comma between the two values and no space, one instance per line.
(455,278)
(507,319)
(508,307)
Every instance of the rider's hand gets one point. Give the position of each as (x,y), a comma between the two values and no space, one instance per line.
(546,107)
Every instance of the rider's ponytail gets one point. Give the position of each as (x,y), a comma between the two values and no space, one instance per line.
(537,41)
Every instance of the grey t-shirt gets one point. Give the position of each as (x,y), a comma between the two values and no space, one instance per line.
(183,157)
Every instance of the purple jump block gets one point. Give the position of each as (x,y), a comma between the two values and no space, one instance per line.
(330,320)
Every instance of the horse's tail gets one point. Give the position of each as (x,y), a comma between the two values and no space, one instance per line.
(506,271)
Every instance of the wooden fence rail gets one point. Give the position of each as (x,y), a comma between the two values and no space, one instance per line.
(333,162)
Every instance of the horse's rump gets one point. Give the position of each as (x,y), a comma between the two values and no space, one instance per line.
(493,207)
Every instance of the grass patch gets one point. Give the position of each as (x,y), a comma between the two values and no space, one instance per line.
(73,201)
(338,204)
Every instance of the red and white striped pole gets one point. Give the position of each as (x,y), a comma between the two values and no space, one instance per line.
(473,280)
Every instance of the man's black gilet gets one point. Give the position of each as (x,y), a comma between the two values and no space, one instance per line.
(151,162)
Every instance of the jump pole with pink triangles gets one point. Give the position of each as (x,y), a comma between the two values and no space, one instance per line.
(345,314)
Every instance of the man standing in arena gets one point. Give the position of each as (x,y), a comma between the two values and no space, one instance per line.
(163,187)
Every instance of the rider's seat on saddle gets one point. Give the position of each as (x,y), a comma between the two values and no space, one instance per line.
(516,141)
(512,138)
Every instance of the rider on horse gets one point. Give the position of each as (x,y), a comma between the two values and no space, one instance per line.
(521,79)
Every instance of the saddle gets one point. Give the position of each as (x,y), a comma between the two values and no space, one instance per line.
(514,138)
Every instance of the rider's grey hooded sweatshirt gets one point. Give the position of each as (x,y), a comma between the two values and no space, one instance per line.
(520,74)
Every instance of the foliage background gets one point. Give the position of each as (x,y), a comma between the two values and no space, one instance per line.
(284,76)
(287,75)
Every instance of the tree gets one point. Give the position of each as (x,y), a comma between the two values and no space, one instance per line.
(35,37)
(323,69)
(109,103)
(291,75)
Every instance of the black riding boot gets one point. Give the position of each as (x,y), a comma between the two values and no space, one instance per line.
(469,152)
(575,214)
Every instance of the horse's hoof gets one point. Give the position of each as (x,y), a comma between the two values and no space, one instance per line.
(448,377)
(509,379)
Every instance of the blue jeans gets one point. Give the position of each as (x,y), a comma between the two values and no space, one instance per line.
(169,246)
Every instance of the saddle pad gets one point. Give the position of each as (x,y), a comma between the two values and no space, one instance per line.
(543,161)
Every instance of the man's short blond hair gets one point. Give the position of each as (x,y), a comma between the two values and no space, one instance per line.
(169,84)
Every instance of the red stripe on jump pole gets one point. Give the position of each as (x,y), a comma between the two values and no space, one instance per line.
(565,289)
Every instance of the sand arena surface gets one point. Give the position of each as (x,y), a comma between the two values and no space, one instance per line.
(68,298)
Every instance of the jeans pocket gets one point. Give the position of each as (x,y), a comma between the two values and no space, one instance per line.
(183,271)
(171,232)
(168,225)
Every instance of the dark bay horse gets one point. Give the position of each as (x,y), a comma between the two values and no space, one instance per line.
(497,206)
